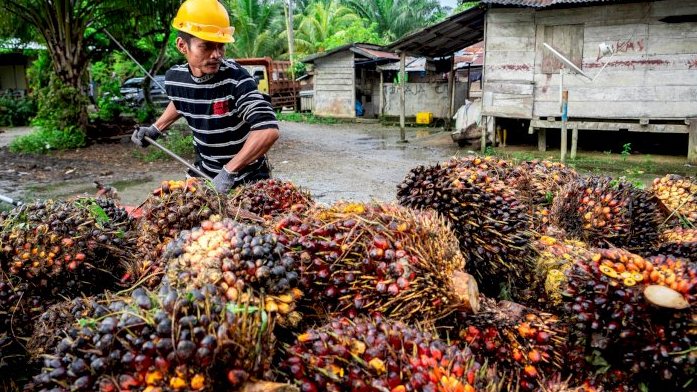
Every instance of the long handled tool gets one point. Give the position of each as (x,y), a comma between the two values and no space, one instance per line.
(178,158)
(9,200)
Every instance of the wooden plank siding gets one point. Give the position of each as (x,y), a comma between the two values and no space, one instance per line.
(335,86)
(653,74)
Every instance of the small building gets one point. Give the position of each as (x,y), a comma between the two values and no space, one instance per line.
(13,71)
(639,59)
(346,75)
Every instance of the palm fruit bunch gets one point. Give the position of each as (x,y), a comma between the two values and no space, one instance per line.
(635,311)
(270,198)
(526,345)
(18,308)
(64,247)
(173,207)
(555,257)
(539,182)
(380,355)
(166,341)
(492,224)
(243,261)
(609,213)
(678,195)
(369,257)
(679,242)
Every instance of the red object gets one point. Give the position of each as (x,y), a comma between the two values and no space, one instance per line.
(220,107)
(134,212)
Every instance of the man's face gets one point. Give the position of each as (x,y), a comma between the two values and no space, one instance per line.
(204,57)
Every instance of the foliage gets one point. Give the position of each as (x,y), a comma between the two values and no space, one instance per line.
(39,72)
(305,118)
(15,111)
(43,139)
(396,18)
(177,141)
(356,32)
(626,151)
(320,21)
(258,24)
(465,5)
(60,108)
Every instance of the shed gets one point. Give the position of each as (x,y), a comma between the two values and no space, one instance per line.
(13,70)
(345,75)
(648,84)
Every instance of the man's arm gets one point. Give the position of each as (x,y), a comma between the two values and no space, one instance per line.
(169,116)
(256,145)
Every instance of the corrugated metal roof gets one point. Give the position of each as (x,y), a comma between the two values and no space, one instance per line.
(444,38)
(374,52)
(544,3)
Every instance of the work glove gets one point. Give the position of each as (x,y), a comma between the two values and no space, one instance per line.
(225,181)
(138,135)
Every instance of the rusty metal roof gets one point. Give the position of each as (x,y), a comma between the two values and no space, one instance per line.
(444,38)
(373,52)
(544,3)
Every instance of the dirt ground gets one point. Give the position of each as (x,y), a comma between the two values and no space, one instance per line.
(334,162)
(348,162)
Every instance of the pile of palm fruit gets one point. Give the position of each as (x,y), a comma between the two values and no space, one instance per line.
(362,258)
(588,284)
(492,223)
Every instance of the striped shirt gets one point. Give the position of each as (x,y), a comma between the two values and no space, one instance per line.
(221,110)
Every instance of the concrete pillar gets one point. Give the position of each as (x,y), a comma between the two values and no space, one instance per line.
(402,97)
(574,142)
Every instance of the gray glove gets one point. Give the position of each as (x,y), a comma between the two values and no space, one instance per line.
(138,135)
(225,181)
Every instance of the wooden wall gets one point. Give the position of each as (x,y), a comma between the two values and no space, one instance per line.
(653,74)
(335,85)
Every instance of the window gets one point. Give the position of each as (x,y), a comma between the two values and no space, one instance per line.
(567,40)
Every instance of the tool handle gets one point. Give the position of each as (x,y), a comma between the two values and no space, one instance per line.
(11,201)
(177,157)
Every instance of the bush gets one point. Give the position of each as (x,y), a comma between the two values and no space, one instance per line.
(44,139)
(177,141)
(16,111)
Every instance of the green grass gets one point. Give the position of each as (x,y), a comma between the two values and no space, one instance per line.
(178,140)
(305,118)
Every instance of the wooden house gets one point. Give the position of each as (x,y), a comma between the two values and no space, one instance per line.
(639,59)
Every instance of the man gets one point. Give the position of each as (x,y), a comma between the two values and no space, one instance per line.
(232,124)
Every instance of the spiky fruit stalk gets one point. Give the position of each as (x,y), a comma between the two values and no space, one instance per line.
(380,355)
(364,258)
(271,198)
(172,340)
(492,224)
(678,194)
(539,182)
(525,344)
(609,213)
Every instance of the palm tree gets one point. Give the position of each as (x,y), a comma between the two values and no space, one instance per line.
(257,25)
(396,18)
(320,21)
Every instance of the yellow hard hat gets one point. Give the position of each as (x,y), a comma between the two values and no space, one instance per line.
(204,19)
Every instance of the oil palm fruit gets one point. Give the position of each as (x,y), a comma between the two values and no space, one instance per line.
(166,341)
(613,311)
(173,207)
(491,222)
(523,344)
(609,213)
(539,182)
(370,257)
(271,198)
(554,257)
(678,194)
(679,242)
(245,262)
(380,355)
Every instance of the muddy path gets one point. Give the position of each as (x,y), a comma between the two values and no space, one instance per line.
(334,162)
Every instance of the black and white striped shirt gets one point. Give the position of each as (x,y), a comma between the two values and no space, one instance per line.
(221,109)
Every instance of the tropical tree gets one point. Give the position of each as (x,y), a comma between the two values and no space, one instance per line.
(395,18)
(258,24)
(320,22)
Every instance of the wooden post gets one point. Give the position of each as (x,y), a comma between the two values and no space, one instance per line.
(692,142)
(574,142)
(451,92)
(382,95)
(542,140)
(402,97)
(564,119)
(488,129)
